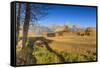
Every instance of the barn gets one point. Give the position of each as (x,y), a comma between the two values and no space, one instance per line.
(62,30)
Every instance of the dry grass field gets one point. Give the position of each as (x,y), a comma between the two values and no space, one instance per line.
(67,48)
(74,43)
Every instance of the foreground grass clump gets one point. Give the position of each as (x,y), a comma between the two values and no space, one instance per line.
(44,56)
(72,57)
(77,57)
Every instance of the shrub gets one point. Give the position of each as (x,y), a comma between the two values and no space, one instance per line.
(90,31)
(80,32)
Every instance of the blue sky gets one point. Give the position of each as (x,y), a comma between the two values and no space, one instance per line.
(59,14)
(66,14)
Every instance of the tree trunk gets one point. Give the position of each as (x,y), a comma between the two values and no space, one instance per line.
(26,25)
(18,23)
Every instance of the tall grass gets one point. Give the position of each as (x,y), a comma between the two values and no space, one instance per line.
(44,56)
(41,55)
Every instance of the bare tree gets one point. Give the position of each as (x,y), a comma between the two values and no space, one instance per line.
(34,12)
(18,22)
(26,24)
